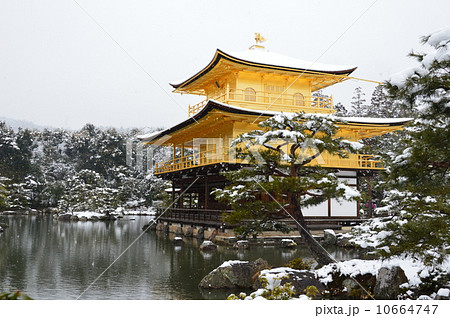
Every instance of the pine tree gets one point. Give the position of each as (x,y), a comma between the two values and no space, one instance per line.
(279,183)
(340,110)
(3,194)
(358,104)
(418,173)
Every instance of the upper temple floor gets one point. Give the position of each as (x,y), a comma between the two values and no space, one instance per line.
(261,80)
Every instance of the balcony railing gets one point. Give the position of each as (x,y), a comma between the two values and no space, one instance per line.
(226,155)
(262,100)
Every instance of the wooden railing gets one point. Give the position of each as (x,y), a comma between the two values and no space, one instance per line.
(193,215)
(262,100)
(196,159)
(225,154)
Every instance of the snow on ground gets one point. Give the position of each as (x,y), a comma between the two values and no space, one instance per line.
(414,270)
(90,214)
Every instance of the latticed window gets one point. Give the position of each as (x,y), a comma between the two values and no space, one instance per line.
(299,99)
(250,94)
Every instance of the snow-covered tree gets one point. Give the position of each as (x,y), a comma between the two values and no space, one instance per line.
(3,194)
(279,183)
(358,104)
(418,173)
(340,110)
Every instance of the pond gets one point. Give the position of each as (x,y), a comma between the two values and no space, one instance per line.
(48,259)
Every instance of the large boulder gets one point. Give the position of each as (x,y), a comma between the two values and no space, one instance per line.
(234,274)
(300,279)
(388,282)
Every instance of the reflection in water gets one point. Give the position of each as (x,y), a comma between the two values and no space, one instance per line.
(48,259)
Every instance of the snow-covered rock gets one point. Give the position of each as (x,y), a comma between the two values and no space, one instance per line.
(233,274)
(208,246)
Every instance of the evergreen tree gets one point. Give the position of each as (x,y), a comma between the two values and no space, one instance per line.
(340,110)
(418,173)
(15,153)
(280,183)
(3,194)
(358,104)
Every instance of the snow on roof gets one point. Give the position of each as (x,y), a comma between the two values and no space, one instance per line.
(374,120)
(362,120)
(149,135)
(268,58)
(275,59)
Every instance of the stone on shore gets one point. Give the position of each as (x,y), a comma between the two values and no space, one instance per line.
(234,274)
(241,244)
(388,282)
(288,243)
(208,246)
(329,237)
(300,279)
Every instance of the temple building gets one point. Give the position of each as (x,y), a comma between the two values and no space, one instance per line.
(242,89)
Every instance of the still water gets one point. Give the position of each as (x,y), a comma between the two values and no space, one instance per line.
(48,259)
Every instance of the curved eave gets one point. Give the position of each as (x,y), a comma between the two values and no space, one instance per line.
(214,105)
(210,105)
(222,55)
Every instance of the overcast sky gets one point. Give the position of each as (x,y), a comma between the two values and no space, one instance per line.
(64,63)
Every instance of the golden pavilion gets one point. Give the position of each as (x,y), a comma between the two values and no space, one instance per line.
(241,89)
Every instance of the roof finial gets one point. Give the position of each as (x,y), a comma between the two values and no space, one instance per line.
(258,39)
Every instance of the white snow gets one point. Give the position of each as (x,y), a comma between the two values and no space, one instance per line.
(414,270)
(349,192)
(374,120)
(231,262)
(445,292)
(148,136)
(88,214)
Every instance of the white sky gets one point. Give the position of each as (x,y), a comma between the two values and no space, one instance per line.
(59,68)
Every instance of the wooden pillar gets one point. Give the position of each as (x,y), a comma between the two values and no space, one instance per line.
(173,191)
(206,193)
(329,207)
(182,156)
(180,196)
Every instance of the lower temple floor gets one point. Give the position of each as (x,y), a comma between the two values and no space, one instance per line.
(190,201)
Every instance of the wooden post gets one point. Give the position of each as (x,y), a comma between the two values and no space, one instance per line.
(206,194)
(173,191)
(182,157)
